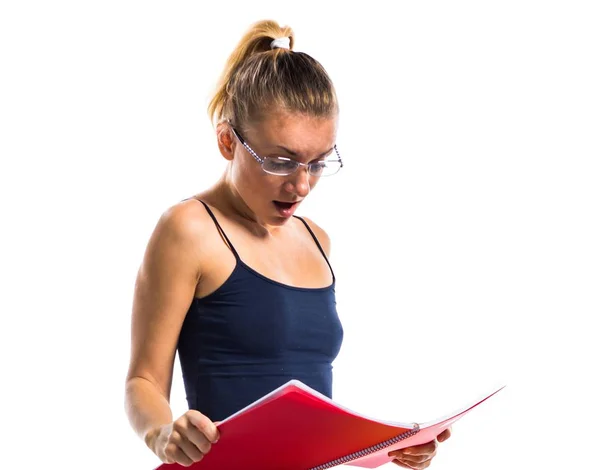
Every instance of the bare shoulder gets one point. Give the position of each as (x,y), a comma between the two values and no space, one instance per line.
(183,222)
(184,226)
(320,233)
(185,216)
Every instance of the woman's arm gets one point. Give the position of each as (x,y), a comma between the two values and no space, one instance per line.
(164,288)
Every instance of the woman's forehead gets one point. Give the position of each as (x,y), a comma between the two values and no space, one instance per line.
(294,128)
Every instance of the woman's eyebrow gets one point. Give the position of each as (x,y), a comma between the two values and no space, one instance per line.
(294,154)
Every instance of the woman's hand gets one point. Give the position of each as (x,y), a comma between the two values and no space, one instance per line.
(419,457)
(186,440)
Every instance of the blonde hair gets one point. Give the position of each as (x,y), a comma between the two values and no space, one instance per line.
(257,78)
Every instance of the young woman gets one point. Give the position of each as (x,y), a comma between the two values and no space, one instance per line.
(231,278)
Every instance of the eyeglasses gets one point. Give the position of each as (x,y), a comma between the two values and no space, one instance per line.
(282,166)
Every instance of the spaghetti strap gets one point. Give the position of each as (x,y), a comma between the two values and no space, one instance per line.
(221,231)
(318,245)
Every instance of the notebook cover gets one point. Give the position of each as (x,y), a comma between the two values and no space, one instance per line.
(293,429)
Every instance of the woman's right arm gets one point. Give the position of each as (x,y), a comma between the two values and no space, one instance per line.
(164,288)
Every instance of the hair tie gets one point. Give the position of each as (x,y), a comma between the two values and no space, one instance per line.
(283,43)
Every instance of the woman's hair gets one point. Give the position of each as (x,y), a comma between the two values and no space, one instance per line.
(257,79)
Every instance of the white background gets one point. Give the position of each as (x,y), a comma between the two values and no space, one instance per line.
(465,225)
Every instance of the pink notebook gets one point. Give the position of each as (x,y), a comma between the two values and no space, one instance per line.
(297,428)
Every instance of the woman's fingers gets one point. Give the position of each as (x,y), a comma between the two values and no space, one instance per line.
(190,449)
(401,464)
(204,425)
(193,435)
(174,451)
(444,435)
(187,442)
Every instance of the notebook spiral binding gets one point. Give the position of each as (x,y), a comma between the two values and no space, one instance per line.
(368,450)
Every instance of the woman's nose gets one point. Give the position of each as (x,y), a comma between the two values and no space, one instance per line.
(300,183)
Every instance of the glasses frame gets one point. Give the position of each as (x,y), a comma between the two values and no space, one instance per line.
(298,164)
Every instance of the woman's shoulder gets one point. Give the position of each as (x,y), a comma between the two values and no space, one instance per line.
(188,214)
(185,222)
(320,233)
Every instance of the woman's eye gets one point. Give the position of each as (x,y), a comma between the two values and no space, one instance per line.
(280,163)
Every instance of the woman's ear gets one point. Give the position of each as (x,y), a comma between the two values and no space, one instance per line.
(225,140)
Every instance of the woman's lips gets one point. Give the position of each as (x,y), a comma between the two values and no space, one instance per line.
(286,209)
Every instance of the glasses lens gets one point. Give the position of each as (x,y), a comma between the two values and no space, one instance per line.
(325,168)
(279,166)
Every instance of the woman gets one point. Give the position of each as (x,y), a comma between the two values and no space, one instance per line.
(231,279)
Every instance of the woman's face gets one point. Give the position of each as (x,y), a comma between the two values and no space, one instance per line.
(273,199)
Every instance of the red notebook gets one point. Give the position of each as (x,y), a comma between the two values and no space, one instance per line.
(297,428)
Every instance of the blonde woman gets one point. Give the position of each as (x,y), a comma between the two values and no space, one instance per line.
(231,279)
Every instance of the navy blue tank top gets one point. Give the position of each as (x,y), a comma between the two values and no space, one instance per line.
(252,335)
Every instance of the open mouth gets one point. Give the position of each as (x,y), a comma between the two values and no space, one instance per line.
(286,209)
(284,205)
